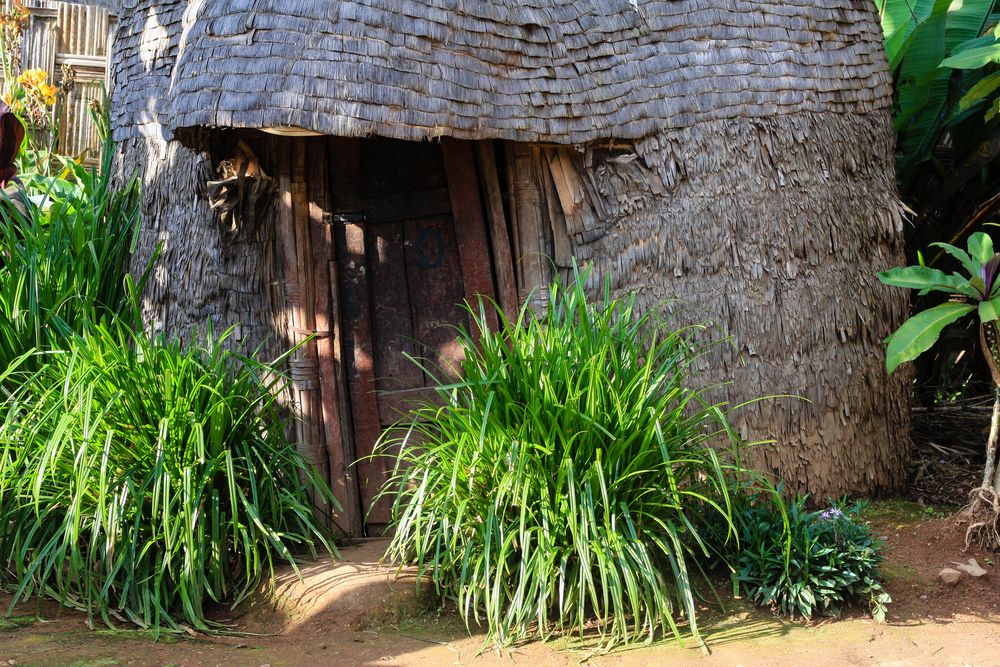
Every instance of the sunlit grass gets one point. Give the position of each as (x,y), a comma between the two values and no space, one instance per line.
(141,479)
(566,483)
(63,258)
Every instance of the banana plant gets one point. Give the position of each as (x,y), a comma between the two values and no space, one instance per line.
(974,290)
(943,56)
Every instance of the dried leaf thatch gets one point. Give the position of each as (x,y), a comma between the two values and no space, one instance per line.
(542,70)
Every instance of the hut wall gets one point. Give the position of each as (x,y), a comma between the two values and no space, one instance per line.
(200,276)
(770,232)
(763,198)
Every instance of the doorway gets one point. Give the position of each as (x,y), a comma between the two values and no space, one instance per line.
(411,245)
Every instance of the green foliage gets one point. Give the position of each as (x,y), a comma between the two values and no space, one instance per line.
(979,290)
(63,255)
(943,56)
(919,333)
(569,477)
(141,479)
(806,563)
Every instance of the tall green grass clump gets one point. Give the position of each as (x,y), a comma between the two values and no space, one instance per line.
(64,248)
(142,479)
(565,484)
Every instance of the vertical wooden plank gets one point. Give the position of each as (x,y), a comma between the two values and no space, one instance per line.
(532,249)
(108,44)
(92,32)
(292,231)
(341,478)
(355,308)
(470,227)
(285,236)
(562,247)
(392,323)
(308,378)
(48,45)
(503,263)
(353,514)
(434,273)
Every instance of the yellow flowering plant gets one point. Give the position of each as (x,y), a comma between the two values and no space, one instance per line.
(33,98)
(12,26)
(32,95)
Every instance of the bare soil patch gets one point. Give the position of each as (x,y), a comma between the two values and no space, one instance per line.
(358,613)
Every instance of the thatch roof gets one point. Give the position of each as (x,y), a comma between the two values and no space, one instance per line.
(568,71)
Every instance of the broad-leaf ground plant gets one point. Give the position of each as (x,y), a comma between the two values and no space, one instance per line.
(566,483)
(976,290)
(808,563)
(944,56)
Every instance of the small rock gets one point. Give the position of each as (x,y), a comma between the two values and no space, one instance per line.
(923,598)
(972,568)
(950,576)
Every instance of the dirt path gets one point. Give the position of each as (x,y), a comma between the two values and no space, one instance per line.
(354,613)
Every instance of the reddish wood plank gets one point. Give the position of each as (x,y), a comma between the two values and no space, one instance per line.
(434,273)
(392,404)
(392,324)
(470,227)
(355,309)
(503,263)
(404,205)
(399,275)
(376,162)
(418,167)
(342,482)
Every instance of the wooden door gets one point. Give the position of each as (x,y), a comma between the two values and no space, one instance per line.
(411,246)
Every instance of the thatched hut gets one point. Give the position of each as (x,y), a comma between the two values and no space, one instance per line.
(355,169)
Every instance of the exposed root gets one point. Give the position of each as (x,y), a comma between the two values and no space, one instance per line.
(984,518)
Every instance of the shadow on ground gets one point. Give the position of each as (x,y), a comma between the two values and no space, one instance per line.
(357,612)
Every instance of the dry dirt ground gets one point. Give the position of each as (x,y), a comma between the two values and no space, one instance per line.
(356,613)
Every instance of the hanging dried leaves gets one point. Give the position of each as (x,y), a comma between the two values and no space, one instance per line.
(243,194)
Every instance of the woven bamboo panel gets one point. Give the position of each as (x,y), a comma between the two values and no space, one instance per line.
(77,35)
